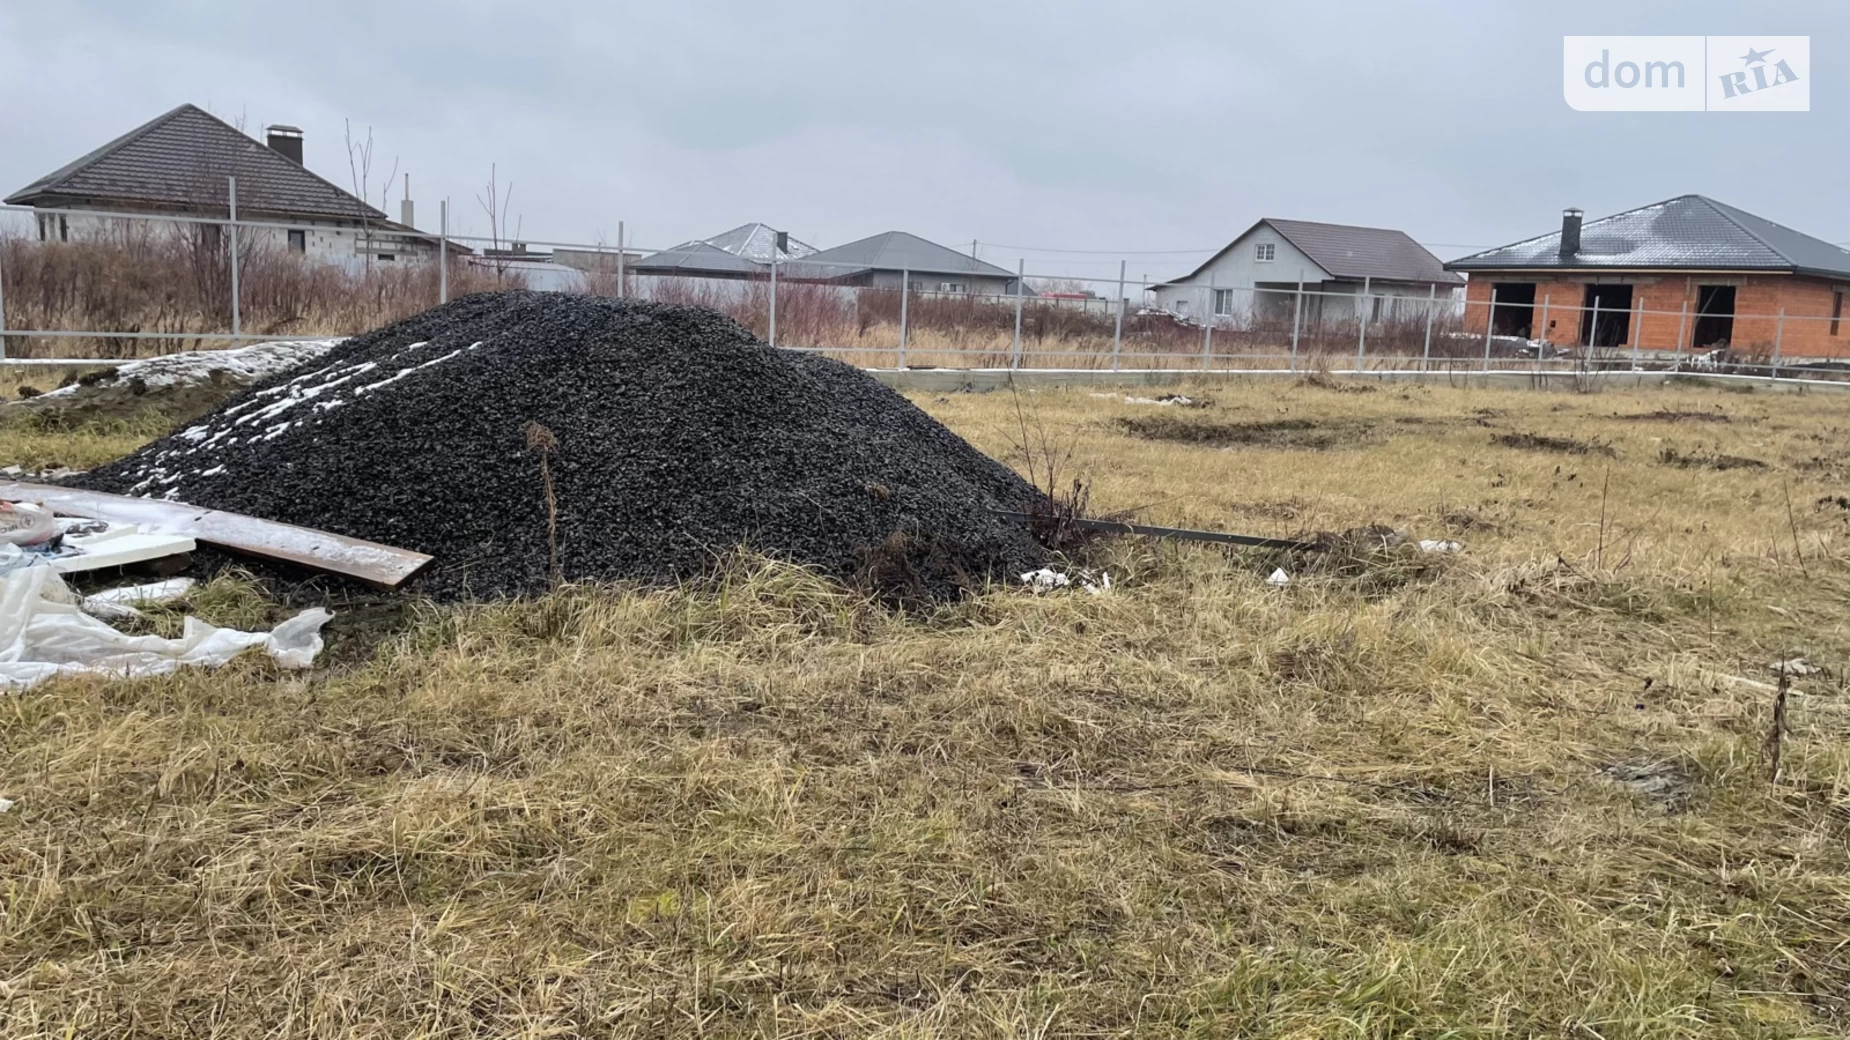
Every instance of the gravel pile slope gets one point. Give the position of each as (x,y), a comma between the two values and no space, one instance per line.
(679,437)
(178,387)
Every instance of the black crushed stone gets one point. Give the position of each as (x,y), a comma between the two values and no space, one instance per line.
(679,438)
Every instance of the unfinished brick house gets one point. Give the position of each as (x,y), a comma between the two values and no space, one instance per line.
(1686,274)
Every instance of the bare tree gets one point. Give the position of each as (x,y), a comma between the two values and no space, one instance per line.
(496,207)
(360,169)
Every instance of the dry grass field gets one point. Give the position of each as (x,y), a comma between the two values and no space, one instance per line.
(1522,790)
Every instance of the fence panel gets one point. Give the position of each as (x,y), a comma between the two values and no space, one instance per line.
(106,286)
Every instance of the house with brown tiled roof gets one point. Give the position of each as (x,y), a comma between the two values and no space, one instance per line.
(182,163)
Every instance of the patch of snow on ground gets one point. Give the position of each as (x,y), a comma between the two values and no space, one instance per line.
(252,363)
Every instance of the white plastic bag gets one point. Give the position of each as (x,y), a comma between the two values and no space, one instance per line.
(44,632)
(26,523)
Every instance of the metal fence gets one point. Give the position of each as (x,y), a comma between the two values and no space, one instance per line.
(799,305)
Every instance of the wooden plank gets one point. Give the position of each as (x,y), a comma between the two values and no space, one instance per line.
(370,562)
(1180,533)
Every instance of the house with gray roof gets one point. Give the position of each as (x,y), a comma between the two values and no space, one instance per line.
(743,252)
(181,163)
(893,258)
(1686,273)
(1343,270)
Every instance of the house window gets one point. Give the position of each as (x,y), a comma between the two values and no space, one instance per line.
(950,287)
(64,229)
(1223,301)
(298,241)
(915,286)
(210,235)
(1837,309)
(1265,252)
(388,257)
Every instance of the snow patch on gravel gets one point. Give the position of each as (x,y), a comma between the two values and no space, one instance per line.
(269,413)
(253,363)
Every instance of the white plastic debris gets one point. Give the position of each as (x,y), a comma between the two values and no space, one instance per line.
(1170,400)
(26,523)
(1047,579)
(1796,667)
(1279,578)
(1434,546)
(121,603)
(6,805)
(44,633)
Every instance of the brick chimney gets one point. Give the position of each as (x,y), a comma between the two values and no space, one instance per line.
(287,141)
(1570,231)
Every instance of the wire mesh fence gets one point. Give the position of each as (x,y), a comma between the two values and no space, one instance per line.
(106,286)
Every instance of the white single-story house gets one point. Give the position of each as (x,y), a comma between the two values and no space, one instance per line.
(181,163)
(1338,266)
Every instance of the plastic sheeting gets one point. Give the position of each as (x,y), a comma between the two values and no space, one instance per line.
(44,632)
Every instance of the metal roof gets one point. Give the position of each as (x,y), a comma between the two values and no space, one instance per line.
(759,242)
(1351,253)
(180,160)
(701,258)
(899,251)
(1689,231)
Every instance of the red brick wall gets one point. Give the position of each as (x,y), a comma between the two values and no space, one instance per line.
(1807,302)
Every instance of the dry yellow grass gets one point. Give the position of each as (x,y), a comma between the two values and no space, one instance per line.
(1369,804)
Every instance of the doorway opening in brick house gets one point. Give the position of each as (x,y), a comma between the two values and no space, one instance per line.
(1614,308)
(1714,316)
(1514,314)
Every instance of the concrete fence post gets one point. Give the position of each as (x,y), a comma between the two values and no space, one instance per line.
(1682,325)
(443,251)
(1490,321)
(774,299)
(1361,319)
(1297,316)
(1541,341)
(1117,333)
(621,291)
(1021,269)
(2,298)
(905,290)
(1593,331)
(1207,334)
(1779,338)
(1637,332)
(1432,303)
(231,190)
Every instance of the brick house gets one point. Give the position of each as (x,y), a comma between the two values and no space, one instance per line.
(1686,274)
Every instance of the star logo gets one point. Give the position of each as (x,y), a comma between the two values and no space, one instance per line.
(1754,57)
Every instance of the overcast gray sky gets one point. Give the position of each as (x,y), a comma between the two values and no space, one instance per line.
(1072,125)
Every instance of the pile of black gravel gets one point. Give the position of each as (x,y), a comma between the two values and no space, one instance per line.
(679,438)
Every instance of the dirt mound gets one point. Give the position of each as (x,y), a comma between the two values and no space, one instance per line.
(1542,442)
(1270,433)
(1670,456)
(676,438)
